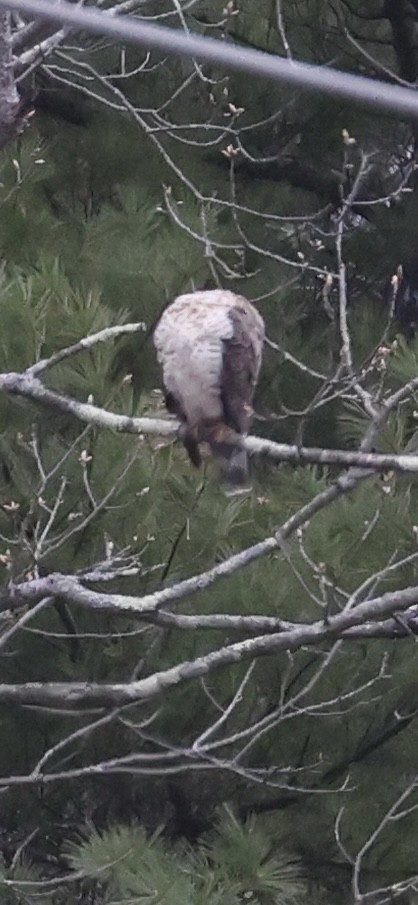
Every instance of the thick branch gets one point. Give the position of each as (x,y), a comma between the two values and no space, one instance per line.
(149,607)
(27,385)
(31,388)
(76,694)
(403,16)
(12,112)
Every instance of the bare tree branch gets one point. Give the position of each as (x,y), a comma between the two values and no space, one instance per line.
(78,694)
(13,116)
(27,385)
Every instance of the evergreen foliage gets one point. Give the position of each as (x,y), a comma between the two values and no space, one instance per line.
(102,224)
(231,863)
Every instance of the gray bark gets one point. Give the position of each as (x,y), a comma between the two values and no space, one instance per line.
(13,115)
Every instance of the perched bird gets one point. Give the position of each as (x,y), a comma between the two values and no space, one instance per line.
(210,346)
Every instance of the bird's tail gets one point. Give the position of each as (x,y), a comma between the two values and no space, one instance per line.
(191,445)
(232,460)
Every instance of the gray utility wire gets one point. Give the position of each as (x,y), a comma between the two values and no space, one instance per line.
(401,101)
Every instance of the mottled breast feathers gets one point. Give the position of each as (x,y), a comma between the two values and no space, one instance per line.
(210,346)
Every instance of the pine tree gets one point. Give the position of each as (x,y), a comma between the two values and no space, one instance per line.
(97,231)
